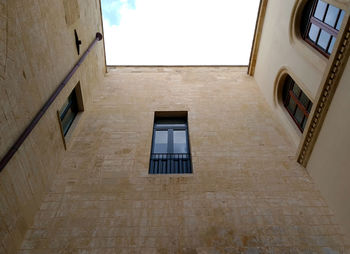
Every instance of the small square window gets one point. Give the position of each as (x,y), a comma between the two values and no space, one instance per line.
(313,33)
(331,46)
(320,11)
(324,39)
(332,15)
(340,20)
(170,152)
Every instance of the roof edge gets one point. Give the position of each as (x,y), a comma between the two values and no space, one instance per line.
(165,66)
(257,37)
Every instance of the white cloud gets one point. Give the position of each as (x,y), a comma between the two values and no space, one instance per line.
(182,32)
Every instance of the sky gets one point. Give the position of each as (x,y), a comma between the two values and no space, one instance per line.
(178,32)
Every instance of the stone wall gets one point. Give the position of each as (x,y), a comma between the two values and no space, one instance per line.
(247,193)
(37,50)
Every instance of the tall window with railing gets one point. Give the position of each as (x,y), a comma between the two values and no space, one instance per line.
(320,25)
(170,152)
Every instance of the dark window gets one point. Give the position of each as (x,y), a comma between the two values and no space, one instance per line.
(296,102)
(170,146)
(320,25)
(68,112)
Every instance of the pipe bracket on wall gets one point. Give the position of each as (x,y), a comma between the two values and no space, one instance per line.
(77,41)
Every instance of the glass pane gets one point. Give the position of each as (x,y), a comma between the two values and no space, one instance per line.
(323,40)
(331,46)
(160,142)
(169,126)
(288,84)
(332,15)
(309,107)
(63,108)
(304,123)
(304,100)
(285,92)
(313,32)
(67,120)
(299,115)
(291,106)
(305,17)
(340,20)
(320,10)
(180,142)
(296,90)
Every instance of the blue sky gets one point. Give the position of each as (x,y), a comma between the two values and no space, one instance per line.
(111,9)
(178,32)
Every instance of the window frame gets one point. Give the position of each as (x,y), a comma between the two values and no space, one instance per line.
(170,158)
(78,107)
(289,94)
(322,26)
(72,105)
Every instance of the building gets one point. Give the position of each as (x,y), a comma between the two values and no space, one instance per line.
(265,178)
(321,70)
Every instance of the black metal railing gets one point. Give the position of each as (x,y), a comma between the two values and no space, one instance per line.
(170,163)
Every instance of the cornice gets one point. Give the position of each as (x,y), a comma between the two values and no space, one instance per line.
(328,86)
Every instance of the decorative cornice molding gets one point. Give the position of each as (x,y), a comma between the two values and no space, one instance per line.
(330,82)
(257,36)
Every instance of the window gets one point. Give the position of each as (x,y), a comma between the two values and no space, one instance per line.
(68,112)
(320,25)
(296,102)
(170,146)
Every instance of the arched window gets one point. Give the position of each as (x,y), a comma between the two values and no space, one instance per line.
(296,102)
(320,25)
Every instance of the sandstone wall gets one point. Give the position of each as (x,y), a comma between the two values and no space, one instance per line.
(37,50)
(247,193)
